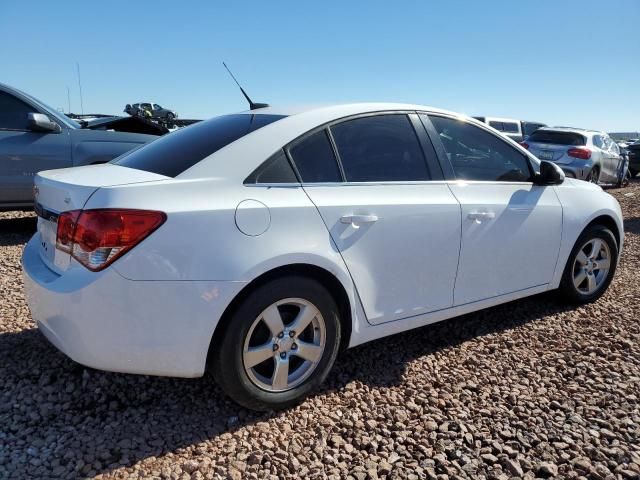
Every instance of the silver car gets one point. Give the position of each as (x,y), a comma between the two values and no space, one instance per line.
(584,154)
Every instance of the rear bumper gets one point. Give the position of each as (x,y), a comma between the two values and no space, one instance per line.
(107,322)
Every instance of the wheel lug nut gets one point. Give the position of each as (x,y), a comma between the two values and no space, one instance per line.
(281,334)
(283,355)
(292,334)
(275,347)
(294,347)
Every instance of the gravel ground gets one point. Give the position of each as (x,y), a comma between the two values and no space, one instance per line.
(529,389)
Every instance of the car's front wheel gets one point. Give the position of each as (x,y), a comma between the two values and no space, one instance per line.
(279,344)
(591,265)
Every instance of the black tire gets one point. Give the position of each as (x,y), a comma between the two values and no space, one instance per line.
(170,117)
(633,172)
(567,290)
(594,175)
(227,355)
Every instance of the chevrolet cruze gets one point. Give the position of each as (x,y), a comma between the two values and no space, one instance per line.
(257,245)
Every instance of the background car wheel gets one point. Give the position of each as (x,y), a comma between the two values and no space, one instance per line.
(591,266)
(594,175)
(279,344)
(170,117)
(633,172)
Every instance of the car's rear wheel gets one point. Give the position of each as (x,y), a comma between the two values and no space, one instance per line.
(591,265)
(594,175)
(279,344)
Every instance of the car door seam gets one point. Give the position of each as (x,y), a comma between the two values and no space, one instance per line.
(335,245)
(455,281)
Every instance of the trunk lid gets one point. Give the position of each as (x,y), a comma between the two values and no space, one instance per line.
(58,191)
(550,152)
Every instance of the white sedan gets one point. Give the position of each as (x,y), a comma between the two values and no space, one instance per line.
(256,245)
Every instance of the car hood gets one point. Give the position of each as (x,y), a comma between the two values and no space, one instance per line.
(581,184)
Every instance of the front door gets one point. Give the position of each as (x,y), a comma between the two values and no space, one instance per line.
(23,153)
(511,228)
(397,230)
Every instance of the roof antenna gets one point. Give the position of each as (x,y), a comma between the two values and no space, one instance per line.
(252,106)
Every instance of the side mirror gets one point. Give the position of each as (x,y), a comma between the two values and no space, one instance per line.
(39,122)
(550,174)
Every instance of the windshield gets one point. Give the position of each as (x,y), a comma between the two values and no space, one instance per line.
(176,152)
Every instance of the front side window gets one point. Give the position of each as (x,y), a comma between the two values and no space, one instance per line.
(381,148)
(314,159)
(178,151)
(476,154)
(13,113)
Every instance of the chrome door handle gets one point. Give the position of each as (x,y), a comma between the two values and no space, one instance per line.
(478,217)
(357,220)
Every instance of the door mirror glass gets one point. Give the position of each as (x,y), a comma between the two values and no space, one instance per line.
(550,174)
(39,122)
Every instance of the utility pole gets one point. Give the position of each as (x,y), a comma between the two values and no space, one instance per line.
(68,100)
(80,87)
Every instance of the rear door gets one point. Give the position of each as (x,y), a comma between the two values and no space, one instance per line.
(23,152)
(511,228)
(378,186)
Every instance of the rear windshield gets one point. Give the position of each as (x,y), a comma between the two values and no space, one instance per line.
(178,151)
(557,138)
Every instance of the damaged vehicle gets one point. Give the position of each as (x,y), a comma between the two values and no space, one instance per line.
(35,137)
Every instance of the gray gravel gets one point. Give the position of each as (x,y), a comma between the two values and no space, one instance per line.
(529,389)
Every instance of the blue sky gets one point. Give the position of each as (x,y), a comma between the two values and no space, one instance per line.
(564,62)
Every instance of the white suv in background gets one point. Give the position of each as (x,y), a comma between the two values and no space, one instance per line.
(583,154)
(509,127)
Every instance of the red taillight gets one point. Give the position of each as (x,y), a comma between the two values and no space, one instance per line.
(583,153)
(525,145)
(98,237)
(66,226)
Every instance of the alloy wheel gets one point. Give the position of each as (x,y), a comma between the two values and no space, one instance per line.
(591,266)
(284,345)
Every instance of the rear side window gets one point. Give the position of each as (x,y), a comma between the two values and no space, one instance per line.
(382,148)
(276,169)
(497,125)
(314,159)
(176,152)
(557,138)
(13,113)
(597,141)
(476,154)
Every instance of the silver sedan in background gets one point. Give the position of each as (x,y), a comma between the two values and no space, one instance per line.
(584,154)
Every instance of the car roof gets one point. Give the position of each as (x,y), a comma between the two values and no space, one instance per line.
(340,108)
(241,157)
(500,119)
(581,131)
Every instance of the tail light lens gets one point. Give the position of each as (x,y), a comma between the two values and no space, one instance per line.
(525,145)
(582,153)
(96,238)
